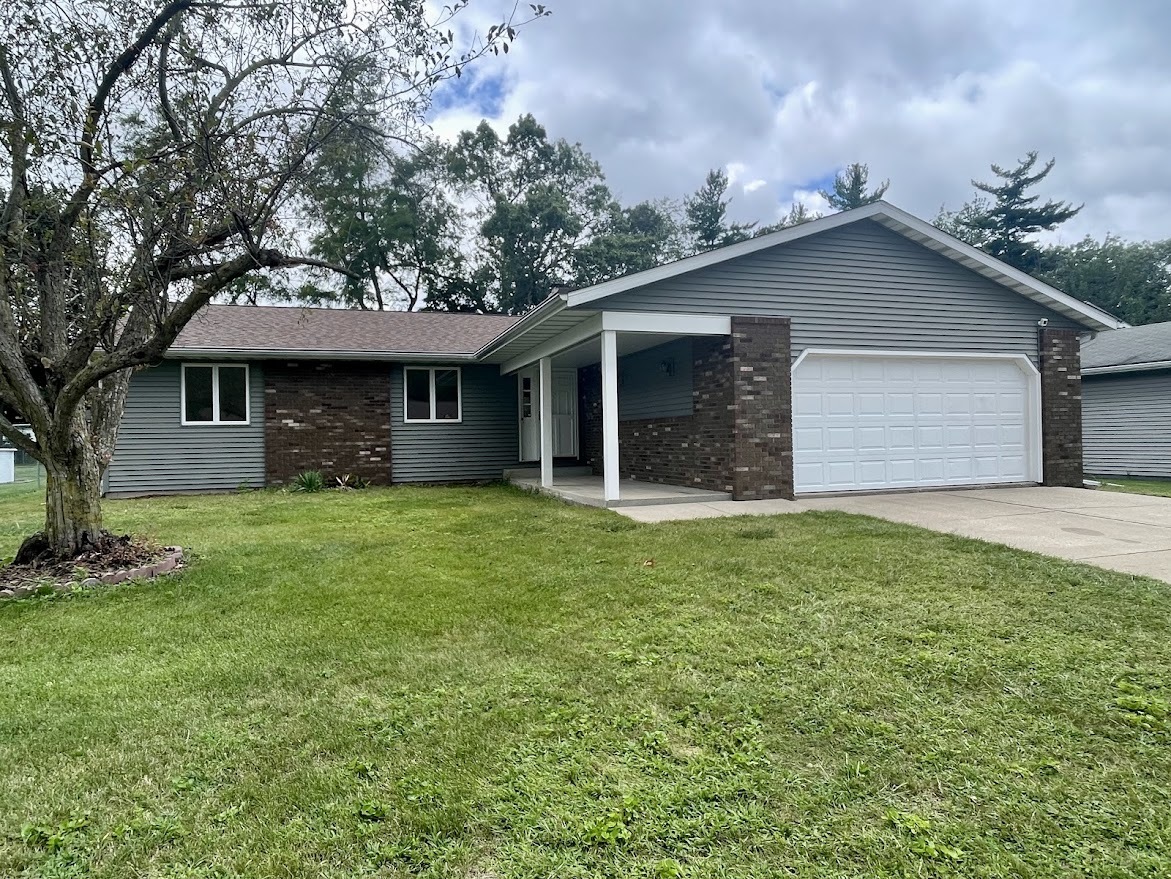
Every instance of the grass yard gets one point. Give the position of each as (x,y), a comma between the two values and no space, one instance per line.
(1160,487)
(479,683)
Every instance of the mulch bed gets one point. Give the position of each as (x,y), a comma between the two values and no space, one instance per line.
(113,559)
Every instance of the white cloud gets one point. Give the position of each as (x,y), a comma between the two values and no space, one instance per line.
(785,94)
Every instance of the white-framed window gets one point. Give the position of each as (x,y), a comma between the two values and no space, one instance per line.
(432,394)
(214,393)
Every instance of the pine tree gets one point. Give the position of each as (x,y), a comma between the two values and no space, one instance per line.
(707,215)
(849,190)
(1003,226)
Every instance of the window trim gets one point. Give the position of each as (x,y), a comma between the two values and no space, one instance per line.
(459,394)
(215,395)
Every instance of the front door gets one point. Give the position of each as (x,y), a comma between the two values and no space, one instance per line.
(564,413)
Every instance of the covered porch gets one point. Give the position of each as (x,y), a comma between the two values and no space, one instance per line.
(629,408)
(578,485)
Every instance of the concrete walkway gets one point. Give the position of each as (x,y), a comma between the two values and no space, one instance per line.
(1123,532)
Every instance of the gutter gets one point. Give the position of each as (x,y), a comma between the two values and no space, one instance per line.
(1127,367)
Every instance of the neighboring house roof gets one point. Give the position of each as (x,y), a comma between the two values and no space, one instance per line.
(279,331)
(1132,349)
(897,221)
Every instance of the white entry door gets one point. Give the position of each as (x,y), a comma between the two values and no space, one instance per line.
(564,413)
(873,422)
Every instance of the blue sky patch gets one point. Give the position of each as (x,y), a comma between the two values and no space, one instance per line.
(475,91)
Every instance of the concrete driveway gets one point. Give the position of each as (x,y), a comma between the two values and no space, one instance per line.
(1123,532)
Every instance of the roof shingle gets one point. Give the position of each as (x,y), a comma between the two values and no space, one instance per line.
(1131,346)
(272,329)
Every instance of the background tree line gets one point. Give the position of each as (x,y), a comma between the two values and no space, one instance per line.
(494,223)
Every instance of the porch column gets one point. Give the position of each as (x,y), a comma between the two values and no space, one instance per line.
(546,391)
(610,413)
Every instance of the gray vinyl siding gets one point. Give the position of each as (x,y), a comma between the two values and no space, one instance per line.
(860,286)
(155,454)
(1126,424)
(478,448)
(646,391)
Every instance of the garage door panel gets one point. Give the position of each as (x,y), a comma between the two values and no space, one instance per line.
(839,403)
(840,473)
(806,404)
(902,472)
(929,404)
(838,438)
(869,422)
(901,438)
(808,439)
(929,470)
(930,438)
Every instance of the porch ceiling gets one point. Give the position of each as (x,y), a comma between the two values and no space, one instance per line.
(590,351)
(550,327)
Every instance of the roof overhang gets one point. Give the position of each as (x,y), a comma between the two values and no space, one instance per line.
(295,354)
(1149,366)
(897,221)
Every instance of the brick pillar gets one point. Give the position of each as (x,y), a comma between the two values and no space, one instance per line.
(763,406)
(1061,406)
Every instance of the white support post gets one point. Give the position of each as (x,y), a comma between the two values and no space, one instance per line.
(546,391)
(610,413)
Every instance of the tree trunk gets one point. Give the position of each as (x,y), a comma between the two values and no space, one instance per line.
(73,504)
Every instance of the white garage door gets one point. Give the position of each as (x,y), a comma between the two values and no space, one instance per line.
(874,422)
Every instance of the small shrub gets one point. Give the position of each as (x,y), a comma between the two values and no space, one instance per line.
(349,481)
(310,480)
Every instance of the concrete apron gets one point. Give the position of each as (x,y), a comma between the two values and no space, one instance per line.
(1130,533)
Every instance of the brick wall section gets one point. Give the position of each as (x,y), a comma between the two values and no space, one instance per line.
(333,417)
(1061,406)
(589,417)
(693,450)
(762,385)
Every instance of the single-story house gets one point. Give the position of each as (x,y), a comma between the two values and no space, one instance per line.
(865,351)
(1126,400)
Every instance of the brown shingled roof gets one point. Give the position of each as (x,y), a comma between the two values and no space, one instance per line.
(274,330)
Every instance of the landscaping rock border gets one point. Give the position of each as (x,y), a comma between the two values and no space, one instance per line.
(171,561)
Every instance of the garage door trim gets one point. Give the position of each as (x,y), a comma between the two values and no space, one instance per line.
(1032,375)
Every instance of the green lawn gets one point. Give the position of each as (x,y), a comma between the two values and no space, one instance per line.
(480,683)
(1160,487)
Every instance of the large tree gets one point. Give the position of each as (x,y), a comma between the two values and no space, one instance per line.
(536,201)
(386,216)
(148,153)
(706,212)
(1003,223)
(630,240)
(851,188)
(1129,279)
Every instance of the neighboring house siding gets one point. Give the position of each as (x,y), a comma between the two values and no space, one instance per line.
(156,454)
(479,448)
(860,286)
(1126,423)
(646,391)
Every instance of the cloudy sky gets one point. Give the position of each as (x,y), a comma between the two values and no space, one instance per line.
(784,93)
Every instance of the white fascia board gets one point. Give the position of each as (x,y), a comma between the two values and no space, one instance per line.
(1127,367)
(948,246)
(587,329)
(295,354)
(663,322)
